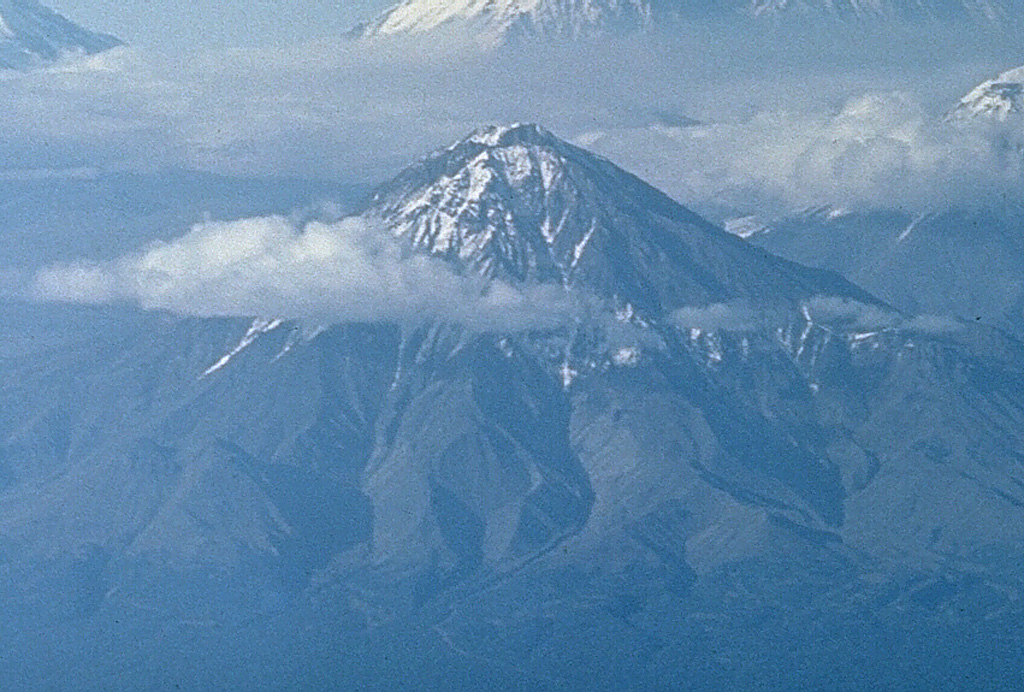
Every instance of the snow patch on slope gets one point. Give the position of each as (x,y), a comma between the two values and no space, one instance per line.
(258,328)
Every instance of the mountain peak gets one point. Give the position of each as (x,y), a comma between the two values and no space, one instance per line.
(31,34)
(508,135)
(518,203)
(494,21)
(997,99)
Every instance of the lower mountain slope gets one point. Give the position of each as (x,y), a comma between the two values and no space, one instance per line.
(962,262)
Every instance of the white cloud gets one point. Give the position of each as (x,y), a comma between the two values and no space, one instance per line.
(352,111)
(836,312)
(735,316)
(934,324)
(877,150)
(78,282)
(345,271)
(851,313)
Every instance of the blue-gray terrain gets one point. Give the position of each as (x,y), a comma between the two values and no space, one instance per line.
(725,471)
(954,257)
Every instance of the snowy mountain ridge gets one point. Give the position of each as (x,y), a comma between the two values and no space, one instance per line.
(997,99)
(494,21)
(519,204)
(31,35)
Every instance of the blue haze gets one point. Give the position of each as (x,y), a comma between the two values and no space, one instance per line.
(231,24)
(312,379)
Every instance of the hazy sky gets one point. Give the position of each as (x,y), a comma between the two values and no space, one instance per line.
(215,23)
(850,116)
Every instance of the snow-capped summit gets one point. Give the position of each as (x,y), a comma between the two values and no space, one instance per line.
(518,203)
(997,99)
(31,34)
(494,21)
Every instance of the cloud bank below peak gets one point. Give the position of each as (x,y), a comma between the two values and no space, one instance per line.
(344,271)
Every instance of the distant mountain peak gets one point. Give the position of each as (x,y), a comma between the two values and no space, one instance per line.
(997,99)
(31,35)
(494,21)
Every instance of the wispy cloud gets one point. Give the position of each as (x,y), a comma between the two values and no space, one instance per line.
(735,316)
(842,314)
(850,313)
(355,111)
(876,150)
(347,271)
